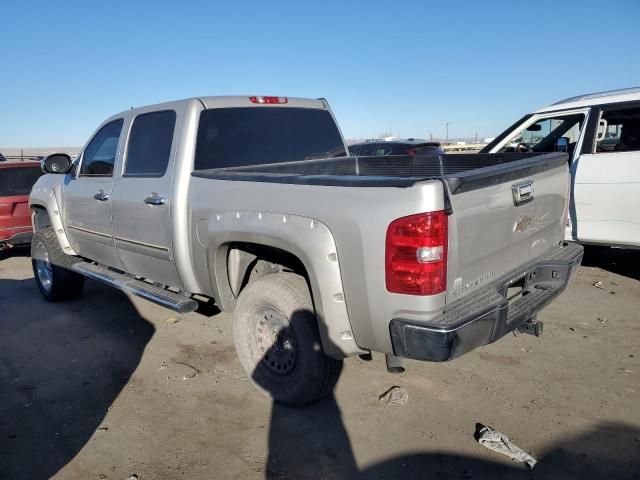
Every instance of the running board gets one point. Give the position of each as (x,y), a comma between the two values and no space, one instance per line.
(161,296)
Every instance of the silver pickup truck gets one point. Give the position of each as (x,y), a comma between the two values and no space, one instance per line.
(254,204)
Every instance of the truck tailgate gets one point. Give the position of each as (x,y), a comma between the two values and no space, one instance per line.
(503,217)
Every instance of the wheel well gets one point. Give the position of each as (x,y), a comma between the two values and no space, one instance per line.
(246,262)
(40,217)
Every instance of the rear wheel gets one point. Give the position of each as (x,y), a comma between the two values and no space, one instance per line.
(51,268)
(277,339)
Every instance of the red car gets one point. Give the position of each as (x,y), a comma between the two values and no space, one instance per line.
(16,180)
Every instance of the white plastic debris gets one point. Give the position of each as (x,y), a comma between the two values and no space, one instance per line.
(394,396)
(499,442)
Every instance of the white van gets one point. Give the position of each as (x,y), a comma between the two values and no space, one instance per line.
(601,133)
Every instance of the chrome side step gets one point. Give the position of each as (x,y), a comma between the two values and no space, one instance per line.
(161,296)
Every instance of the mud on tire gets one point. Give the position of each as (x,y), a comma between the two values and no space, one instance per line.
(277,340)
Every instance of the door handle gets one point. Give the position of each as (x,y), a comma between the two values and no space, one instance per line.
(101,196)
(155,199)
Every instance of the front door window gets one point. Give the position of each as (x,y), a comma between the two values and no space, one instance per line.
(100,155)
(543,134)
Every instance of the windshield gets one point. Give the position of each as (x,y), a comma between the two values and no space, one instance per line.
(233,137)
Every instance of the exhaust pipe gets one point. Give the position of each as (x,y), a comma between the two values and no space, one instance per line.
(394,364)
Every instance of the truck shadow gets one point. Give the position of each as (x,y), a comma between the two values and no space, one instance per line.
(313,443)
(60,371)
(625,262)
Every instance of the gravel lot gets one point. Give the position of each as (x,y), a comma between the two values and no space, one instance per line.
(109,386)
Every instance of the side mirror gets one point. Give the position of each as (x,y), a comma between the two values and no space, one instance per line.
(562,144)
(56,163)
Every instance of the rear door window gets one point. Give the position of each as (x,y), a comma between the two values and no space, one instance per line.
(233,137)
(149,144)
(18,180)
(620,131)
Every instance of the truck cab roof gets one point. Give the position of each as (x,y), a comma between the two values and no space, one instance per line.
(597,98)
(234,101)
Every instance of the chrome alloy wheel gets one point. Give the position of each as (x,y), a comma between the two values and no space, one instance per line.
(43,266)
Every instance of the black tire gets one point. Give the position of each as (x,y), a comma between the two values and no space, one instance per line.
(285,360)
(59,283)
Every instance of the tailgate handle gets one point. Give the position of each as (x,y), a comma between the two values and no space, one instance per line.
(522,192)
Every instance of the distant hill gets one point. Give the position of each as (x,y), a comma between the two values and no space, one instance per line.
(16,154)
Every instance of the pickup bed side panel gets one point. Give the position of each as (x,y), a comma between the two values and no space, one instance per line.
(356,219)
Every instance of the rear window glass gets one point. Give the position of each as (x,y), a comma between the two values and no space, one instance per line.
(233,137)
(18,181)
(150,143)
(376,151)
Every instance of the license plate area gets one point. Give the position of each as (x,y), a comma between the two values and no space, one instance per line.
(515,289)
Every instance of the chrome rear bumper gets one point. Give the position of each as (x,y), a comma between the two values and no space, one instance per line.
(486,315)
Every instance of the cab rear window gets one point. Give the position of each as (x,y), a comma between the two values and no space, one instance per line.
(18,180)
(233,137)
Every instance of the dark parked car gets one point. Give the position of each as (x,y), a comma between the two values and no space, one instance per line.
(410,146)
(16,180)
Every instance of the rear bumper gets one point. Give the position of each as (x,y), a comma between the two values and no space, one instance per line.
(486,315)
(14,240)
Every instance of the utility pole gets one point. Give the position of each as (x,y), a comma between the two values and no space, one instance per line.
(447,138)
(476,138)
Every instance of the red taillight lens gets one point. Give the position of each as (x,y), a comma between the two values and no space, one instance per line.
(411,152)
(268,99)
(416,254)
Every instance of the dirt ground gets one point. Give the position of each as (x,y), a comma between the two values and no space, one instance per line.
(109,386)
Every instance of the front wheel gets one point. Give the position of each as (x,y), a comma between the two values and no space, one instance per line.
(277,339)
(51,268)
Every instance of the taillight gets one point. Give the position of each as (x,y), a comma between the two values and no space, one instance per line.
(411,152)
(416,254)
(268,99)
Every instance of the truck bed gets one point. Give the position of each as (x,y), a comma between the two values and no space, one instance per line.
(462,172)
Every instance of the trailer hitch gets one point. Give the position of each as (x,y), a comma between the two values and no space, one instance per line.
(531,327)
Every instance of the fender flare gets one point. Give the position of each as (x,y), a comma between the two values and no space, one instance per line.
(311,242)
(44,197)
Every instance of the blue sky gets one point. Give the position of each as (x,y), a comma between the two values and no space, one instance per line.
(407,67)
